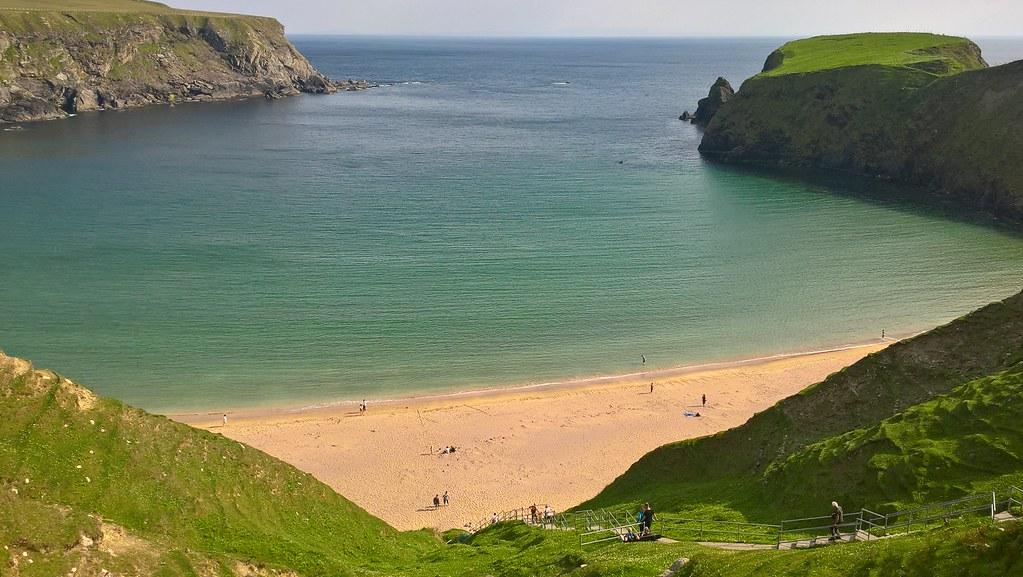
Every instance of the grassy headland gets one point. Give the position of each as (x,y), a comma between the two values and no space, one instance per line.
(61,58)
(921,109)
(932,53)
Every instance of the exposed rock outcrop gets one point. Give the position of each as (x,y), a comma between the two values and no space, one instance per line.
(55,64)
(720,92)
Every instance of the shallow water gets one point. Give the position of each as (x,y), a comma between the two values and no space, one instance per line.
(504,212)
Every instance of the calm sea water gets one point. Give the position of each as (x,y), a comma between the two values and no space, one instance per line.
(504,212)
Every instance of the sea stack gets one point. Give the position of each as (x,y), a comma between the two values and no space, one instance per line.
(720,92)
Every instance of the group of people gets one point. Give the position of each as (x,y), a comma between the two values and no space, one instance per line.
(534,514)
(363,406)
(645,519)
(438,499)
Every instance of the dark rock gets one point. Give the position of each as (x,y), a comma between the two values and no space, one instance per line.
(686,116)
(720,92)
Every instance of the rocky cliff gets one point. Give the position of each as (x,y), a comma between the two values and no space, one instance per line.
(946,123)
(53,64)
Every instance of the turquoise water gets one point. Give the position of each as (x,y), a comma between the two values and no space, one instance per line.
(506,212)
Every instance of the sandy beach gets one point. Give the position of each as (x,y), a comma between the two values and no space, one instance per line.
(557,444)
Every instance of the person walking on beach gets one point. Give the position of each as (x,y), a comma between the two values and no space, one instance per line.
(651,388)
(362,406)
(704,399)
(436,501)
(836,520)
(445,498)
(225,419)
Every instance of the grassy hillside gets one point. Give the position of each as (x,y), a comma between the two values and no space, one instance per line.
(179,501)
(931,53)
(979,551)
(964,442)
(786,461)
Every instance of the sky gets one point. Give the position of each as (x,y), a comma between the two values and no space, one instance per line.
(629,17)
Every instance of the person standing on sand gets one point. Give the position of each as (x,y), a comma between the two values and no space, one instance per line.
(651,388)
(225,419)
(445,498)
(436,501)
(704,399)
(836,520)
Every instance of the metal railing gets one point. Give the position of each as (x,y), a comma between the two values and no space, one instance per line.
(599,525)
(687,529)
(1015,502)
(810,531)
(608,534)
(873,525)
(524,514)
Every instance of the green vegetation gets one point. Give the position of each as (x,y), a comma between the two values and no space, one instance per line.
(977,551)
(117,6)
(73,464)
(930,53)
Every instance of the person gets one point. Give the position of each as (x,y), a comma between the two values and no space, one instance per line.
(882,334)
(548,514)
(648,518)
(651,388)
(445,498)
(363,406)
(493,519)
(436,500)
(533,513)
(644,358)
(225,419)
(836,520)
(704,400)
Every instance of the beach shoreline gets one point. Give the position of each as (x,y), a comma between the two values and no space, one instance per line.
(554,443)
(299,408)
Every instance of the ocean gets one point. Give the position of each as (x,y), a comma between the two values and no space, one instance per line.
(497,213)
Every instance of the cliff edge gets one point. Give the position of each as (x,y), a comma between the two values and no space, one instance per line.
(123,53)
(915,108)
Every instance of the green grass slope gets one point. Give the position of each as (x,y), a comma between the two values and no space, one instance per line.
(181,501)
(979,551)
(967,441)
(930,53)
(770,468)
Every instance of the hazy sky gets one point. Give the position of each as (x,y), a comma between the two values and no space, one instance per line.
(630,17)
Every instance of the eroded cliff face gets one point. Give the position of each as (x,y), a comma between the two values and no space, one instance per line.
(55,64)
(958,136)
